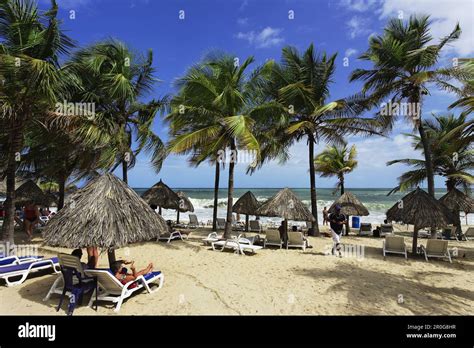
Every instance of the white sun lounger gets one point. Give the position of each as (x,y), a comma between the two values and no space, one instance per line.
(15,260)
(255,226)
(211,237)
(239,245)
(23,270)
(272,237)
(436,248)
(467,235)
(168,237)
(296,240)
(110,288)
(386,229)
(395,245)
(365,229)
(193,221)
(220,223)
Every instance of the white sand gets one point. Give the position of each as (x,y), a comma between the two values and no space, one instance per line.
(201,281)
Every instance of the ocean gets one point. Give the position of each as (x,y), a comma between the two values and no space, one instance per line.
(375,199)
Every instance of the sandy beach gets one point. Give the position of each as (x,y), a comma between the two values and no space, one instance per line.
(201,281)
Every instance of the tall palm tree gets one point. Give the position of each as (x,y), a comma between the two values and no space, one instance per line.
(466,92)
(336,160)
(30,43)
(404,63)
(211,114)
(300,85)
(452,151)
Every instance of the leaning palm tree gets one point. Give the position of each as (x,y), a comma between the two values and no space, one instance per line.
(30,43)
(300,85)
(404,63)
(211,115)
(336,160)
(452,151)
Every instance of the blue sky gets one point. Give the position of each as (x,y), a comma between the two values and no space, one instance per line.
(261,28)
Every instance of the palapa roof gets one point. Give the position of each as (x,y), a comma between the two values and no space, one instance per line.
(420,209)
(457,200)
(247,204)
(30,192)
(286,205)
(350,205)
(162,196)
(3,185)
(184,203)
(106,213)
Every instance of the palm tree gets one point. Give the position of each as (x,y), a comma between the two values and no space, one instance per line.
(452,151)
(300,85)
(30,43)
(336,160)
(403,65)
(466,92)
(211,114)
(115,78)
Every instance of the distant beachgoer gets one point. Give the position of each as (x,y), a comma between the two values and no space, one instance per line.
(336,222)
(31,218)
(121,273)
(325,216)
(92,257)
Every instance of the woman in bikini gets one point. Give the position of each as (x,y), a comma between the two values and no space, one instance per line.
(121,273)
(30,218)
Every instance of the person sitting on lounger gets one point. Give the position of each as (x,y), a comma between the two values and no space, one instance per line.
(78,253)
(121,273)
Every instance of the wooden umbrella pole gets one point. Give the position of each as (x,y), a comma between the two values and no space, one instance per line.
(246,222)
(159,210)
(285,229)
(415,240)
(177,217)
(111,256)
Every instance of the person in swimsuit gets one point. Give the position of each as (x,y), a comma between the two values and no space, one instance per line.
(121,273)
(31,218)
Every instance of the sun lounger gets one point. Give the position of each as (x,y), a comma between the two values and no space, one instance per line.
(272,237)
(239,245)
(168,237)
(467,235)
(386,229)
(193,221)
(255,226)
(365,229)
(394,245)
(110,288)
(448,232)
(211,237)
(22,270)
(252,239)
(436,248)
(15,260)
(220,224)
(296,240)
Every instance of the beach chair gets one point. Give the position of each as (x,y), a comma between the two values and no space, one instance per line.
(110,289)
(23,270)
(15,260)
(169,236)
(211,237)
(252,239)
(365,229)
(193,221)
(237,225)
(448,232)
(272,237)
(386,229)
(255,226)
(436,248)
(467,235)
(394,245)
(239,245)
(220,223)
(296,240)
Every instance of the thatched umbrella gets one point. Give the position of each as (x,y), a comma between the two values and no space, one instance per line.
(286,205)
(457,201)
(248,205)
(162,196)
(350,206)
(107,214)
(421,210)
(30,192)
(184,205)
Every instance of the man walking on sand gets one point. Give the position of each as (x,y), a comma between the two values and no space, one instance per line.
(337,220)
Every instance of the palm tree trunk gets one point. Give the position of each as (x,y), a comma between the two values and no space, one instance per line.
(62,191)
(16,140)
(125,171)
(216,196)
(314,230)
(348,228)
(230,192)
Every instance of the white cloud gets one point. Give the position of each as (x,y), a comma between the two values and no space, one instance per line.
(357,26)
(358,5)
(268,37)
(242,21)
(444,14)
(350,52)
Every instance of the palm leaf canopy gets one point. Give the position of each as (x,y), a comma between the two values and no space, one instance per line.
(286,205)
(30,192)
(418,208)
(106,213)
(456,200)
(247,204)
(184,202)
(350,205)
(162,196)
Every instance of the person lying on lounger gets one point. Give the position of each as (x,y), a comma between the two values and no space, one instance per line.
(121,273)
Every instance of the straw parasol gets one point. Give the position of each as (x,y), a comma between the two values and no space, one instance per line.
(286,205)
(30,192)
(3,185)
(457,201)
(350,206)
(421,210)
(248,205)
(106,214)
(162,196)
(184,205)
